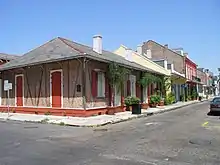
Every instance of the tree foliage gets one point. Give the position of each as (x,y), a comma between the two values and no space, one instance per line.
(117,75)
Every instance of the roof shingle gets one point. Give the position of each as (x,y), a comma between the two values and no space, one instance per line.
(62,49)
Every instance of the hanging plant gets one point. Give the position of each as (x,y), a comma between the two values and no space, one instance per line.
(117,75)
(166,83)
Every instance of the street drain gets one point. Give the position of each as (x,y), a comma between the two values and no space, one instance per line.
(200,142)
(30,127)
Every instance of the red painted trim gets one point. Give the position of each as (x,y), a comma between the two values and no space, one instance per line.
(187,60)
(152,89)
(108,95)
(62,111)
(19,90)
(138,90)
(56,89)
(128,88)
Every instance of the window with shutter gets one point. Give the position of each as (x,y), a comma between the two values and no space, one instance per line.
(133,85)
(101,85)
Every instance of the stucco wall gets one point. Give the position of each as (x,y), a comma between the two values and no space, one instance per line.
(37,84)
(34,95)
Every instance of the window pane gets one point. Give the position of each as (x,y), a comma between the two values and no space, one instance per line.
(101,84)
(216,100)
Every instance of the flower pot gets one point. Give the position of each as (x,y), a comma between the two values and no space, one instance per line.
(111,111)
(144,105)
(161,103)
(154,105)
(136,109)
(128,108)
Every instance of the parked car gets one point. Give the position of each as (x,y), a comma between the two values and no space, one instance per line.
(215,105)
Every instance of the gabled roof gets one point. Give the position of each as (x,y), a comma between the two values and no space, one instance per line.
(171,50)
(59,49)
(4,56)
(164,47)
(143,61)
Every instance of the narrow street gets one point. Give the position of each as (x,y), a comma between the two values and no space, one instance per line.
(181,137)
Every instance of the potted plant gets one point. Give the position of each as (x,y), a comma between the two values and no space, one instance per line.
(182,97)
(161,102)
(135,103)
(189,98)
(116,75)
(170,99)
(153,101)
(127,101)
(200,98)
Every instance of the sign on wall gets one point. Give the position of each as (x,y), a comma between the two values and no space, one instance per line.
(7,85)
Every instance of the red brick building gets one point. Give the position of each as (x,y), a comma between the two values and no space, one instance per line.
(191,76)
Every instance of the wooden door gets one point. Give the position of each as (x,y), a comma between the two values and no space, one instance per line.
(19,90)
(56,92)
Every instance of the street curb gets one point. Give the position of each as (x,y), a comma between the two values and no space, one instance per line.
(153,113)
(121,120)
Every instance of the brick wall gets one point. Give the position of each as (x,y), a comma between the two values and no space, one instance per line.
(159,52)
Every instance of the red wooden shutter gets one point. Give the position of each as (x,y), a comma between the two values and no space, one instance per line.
(94,83)
(138,90)
(148,91)
(152,89)
(106,87)
(128,88)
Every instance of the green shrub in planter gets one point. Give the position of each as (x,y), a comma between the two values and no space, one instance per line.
(182,98)
(158,99)
(128,103)
(169,99)
(154,100)
(194,95)
(135,103)
(189,98)
(134,100)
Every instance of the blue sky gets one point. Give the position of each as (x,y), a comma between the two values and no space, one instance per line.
(191,24)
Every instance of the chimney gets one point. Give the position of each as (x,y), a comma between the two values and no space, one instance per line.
(139,49)
(97,44)
(172,67)
(148,55)
(128,54)
(165,64)
(185,54)
(166,46)
(179,51)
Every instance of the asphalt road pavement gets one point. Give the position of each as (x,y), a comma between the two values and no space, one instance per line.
(181,137)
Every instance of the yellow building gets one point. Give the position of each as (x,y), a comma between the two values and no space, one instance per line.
(146,62)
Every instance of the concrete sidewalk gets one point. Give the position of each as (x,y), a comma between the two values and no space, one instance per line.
(93,120)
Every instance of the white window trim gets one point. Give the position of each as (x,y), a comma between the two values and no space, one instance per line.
(132,79)
(117,94)
(18,75)
(103,84)
(52,71)
(145,94)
